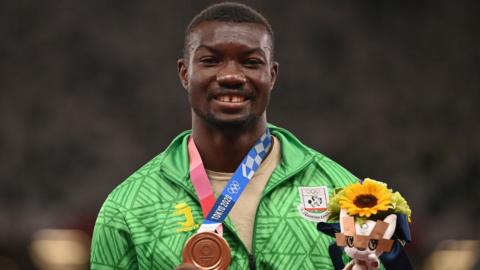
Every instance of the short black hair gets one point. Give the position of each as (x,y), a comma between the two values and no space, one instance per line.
(227,12)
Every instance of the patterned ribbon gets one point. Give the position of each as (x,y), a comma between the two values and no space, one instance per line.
(215,211)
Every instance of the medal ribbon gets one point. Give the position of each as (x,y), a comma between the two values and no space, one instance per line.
(215,211)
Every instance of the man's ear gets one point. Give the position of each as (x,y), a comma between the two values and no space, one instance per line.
(182,68)
(273,74)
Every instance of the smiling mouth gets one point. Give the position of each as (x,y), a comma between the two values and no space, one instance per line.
(231,98)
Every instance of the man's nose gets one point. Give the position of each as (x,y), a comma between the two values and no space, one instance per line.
(231,76)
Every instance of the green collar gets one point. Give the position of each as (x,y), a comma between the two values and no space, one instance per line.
(295,156)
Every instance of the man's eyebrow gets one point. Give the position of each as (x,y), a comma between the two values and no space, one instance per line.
(216,51)
(254,50)
(208,48)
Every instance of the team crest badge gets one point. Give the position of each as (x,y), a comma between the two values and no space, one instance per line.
(313,203)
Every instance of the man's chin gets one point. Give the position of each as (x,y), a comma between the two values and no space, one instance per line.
(230,123)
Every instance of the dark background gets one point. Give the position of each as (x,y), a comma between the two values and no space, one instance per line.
(89,92)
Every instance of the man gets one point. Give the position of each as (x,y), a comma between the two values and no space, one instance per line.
(228,71)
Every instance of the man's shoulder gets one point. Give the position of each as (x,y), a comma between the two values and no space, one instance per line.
(292,146)
(153,176)
(127,191)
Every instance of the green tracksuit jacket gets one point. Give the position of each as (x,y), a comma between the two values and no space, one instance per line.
(146,220)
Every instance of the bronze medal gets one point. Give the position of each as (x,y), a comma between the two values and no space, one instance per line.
(207,250)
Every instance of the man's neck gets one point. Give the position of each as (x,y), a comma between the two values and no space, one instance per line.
(222,149)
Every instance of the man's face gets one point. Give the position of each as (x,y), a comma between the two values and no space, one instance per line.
(229,72)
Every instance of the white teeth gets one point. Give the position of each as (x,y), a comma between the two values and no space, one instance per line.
(231,98)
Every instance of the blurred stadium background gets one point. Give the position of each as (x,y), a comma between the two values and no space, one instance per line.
(89,92)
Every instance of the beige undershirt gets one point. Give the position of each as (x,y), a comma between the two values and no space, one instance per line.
(243,213)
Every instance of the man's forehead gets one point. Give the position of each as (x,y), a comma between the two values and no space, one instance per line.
(214,33)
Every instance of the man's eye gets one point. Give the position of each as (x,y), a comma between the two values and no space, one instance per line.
(253,62)
(209,61)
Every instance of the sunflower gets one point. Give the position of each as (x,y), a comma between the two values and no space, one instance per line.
(366,199)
